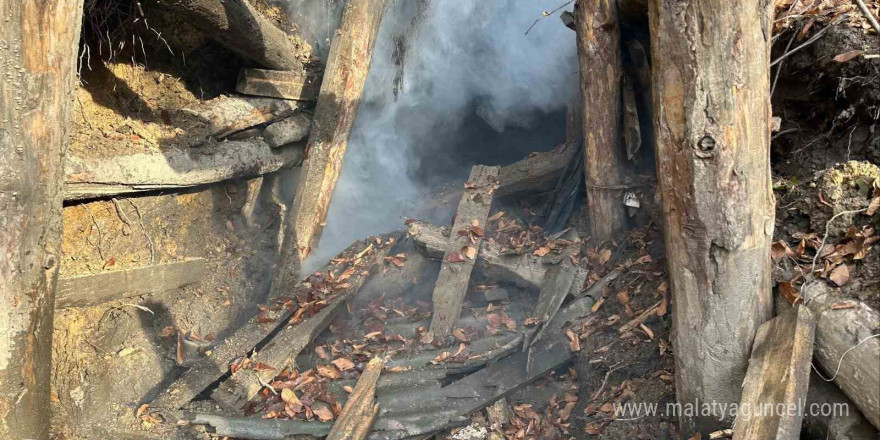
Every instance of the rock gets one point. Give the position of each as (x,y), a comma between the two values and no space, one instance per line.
(497,294)
(287,131)
(499,413)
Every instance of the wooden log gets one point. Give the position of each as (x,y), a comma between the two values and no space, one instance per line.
(847,346)
(260,429)
(278,84)
(347,67)
(537,173)
(174,169)
(38,46)
(598,37)
(210,368)
(251,200)
(356,418)
(227,115)
(712,124)
(456,267)
(282,350)
(287,131)
(93,289)
(239,27)
(778,377)
(837,417)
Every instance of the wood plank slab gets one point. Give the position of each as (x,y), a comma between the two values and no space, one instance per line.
(357,416)
(456,267)
(278,84)
(778,374)
(98,288)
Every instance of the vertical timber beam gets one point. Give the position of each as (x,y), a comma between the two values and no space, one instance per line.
(38,42)
(345,76)
(598,37)
(711,64)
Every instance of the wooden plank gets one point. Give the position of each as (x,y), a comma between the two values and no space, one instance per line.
(718,223)
(456,267)
(557,286)
(174,169)
(278,84)
(38,47)
(335,112)
(210,368)
(842,325)
(778,374)
(356,418)
(93,289)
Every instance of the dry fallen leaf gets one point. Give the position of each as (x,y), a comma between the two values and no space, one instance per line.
(647,331)
(541,251)
(469,251)
(324,413)
(289,397)
(874,206)
(790,293)
(605,256)
(843,305)
(321,352)
(455,258)
(496,216)
(343,364)
(846,56)
(328,371)
(593,428)
(574,343)
(840,275)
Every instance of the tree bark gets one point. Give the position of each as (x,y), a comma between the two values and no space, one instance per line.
(238,26)
(347,67)
(598,36)
(38,42)
(711,63)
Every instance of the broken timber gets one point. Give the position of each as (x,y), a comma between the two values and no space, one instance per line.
(278,84)
(282,350)
(210,368)
(98,288)
(347,67)
(778,374)
(457,265)
(174,169)
(558,283)
(847,346)
(357,416)
(538,173)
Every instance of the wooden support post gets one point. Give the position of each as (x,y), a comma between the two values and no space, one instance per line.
(711,64)
(775,387)
(456,267)
(347,67)
(38,42)
(98,288)
(598,36)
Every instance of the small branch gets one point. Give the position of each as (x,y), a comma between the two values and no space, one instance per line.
(827,229)
(547,14)
(868,15)
(812,40)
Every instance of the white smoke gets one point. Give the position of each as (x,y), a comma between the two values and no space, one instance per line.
(463,58)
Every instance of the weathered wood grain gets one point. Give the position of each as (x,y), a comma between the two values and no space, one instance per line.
(356,418)
(455,274)
(98,288)
(778,374)
(294,85)
(712,128)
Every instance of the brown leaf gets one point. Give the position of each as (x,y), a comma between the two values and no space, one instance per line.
(455,258)
(328,371)
(593,428)
(469,251)
(496,216)
(778,250)
(324,413)
(289,397)
(843,305)
(607,407)
(846,56)
(790,293)
(874,206)
(541,251)
(647,331)
(574,343)
(604,256)
(623,297)
(840,275)
(321,352)
(343,364)
(597,305)
(461,335)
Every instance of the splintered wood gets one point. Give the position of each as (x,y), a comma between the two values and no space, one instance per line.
(357,416)
(461,253)
(778,376)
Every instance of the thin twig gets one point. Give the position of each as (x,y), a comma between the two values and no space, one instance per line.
(806,43)
(779,69)
(122,216)
(614,368)
(547,14)
(868,15)
(146,234)
(825,238)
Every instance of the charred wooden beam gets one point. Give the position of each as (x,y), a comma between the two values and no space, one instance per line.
(347,67)
(717,197)
(535,174)
(174,169)
(94,289)
(210,368)
(847,346)
(259,429)
(226,115)
(598,37)
(237,25)
(462,249)
(38,46)
(778,374)
(278,84)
